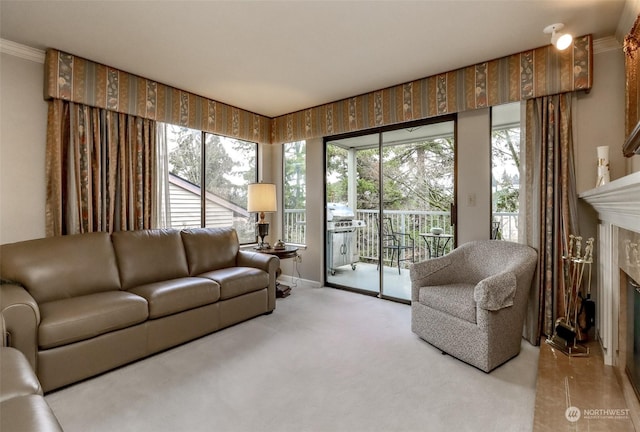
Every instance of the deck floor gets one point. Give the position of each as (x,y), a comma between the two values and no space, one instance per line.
(366,277)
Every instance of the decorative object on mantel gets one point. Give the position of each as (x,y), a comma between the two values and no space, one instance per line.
(578,311)
(603,166)
(631,145)
(632,254)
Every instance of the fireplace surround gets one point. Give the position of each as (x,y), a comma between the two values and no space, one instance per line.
(618,262)
(633,334)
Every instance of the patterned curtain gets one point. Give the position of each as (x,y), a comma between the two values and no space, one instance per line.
(100,166)
(551,210)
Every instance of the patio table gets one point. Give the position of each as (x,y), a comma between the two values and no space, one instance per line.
(436,243)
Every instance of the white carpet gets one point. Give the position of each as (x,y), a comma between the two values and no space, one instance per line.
(325,360)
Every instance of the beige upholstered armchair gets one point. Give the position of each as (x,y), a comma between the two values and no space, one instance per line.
(472,302)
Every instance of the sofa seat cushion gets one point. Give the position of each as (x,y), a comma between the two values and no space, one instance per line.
(453,299)
(18,379)
(177,295)
(79,318)
(235,281)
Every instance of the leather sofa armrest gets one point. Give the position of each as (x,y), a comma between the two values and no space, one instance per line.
(266,262)
(21,316)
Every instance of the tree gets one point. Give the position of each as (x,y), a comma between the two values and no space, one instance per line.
(416,175)
(229,167)
(295,175)
(505,161)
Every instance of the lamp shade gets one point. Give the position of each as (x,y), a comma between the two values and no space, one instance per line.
(261,197)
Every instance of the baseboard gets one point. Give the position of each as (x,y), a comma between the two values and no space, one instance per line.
(297,282)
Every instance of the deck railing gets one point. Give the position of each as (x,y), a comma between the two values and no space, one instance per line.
(294,226)
(412,222)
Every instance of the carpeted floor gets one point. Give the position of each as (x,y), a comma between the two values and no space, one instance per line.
(326,360)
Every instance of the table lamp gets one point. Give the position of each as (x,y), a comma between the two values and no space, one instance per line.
(261,198)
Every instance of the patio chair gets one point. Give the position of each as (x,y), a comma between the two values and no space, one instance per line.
(397,242)
(471,303)
(496,231)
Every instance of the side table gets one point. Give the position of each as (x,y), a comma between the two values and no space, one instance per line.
(287,252)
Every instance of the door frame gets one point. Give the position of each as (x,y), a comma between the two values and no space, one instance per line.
(380,131)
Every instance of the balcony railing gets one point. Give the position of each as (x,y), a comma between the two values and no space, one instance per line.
(295,226)
(413,222)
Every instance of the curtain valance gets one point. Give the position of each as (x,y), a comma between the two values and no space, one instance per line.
(75,79)
(534,73)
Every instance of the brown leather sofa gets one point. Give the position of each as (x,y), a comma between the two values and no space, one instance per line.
(80,305)
(22,407)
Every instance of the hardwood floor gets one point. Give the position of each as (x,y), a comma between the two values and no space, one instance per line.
(584,383)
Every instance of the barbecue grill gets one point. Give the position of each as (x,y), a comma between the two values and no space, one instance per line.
(342,248)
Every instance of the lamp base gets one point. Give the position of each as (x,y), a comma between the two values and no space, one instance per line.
(263,231)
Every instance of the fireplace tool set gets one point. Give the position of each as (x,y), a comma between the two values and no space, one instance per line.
(579,311)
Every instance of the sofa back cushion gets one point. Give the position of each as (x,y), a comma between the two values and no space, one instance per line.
(61,267)
(210,249)
(148,256)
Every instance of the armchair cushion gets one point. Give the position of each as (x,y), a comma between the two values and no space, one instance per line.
(496,292)
(454,299)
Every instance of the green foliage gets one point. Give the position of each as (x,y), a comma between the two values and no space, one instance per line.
(505,160)
(418,175)
(230,164)
(295,175)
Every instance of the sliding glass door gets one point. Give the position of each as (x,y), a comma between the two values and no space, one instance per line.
(387,193)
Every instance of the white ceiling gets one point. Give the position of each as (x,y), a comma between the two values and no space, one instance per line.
(277,57)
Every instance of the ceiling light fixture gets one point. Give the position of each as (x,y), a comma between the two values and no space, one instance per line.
(560,40)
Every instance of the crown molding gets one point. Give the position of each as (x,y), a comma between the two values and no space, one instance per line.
(608,43)
(22,51)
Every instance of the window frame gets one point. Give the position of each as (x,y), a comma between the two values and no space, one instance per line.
(285,232)
(202,187)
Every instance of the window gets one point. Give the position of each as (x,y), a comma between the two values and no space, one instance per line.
(225,166)
(295,192)
(505,171)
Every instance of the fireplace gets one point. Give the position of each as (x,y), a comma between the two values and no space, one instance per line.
(618,262)
(633,334)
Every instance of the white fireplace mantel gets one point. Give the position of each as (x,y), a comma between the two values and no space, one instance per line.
(618,207)
(617,202)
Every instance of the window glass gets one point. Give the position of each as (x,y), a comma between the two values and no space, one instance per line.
(505,171)
(295,192)
(229,166)
(184,152)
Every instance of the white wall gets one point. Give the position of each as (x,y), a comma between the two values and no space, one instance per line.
(599,119)
(23,121)
(474,175)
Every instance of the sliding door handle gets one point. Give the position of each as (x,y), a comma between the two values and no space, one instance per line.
(453,216)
